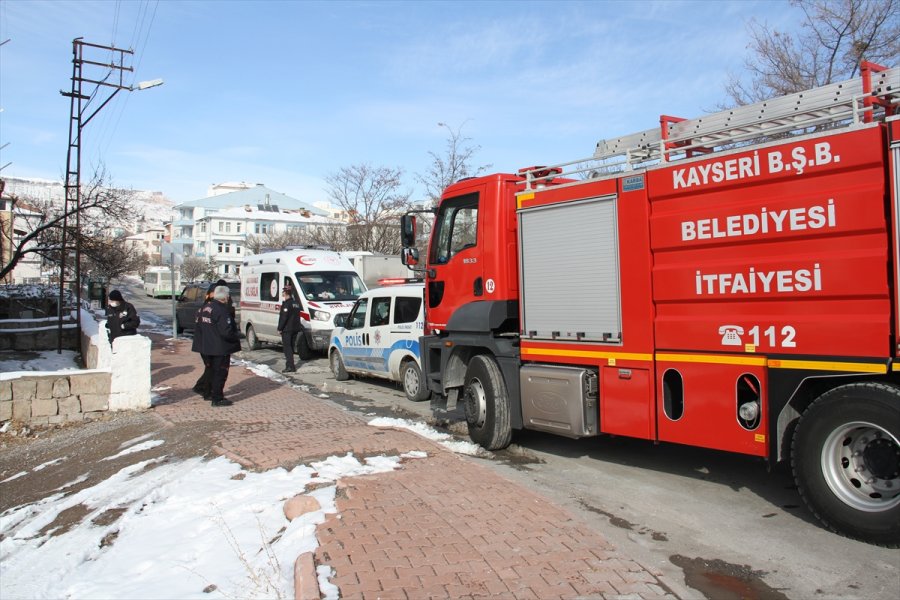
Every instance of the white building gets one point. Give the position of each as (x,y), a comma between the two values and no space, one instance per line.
(221,237)
(149,242)
(189,214)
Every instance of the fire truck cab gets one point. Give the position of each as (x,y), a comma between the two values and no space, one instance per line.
(727,282)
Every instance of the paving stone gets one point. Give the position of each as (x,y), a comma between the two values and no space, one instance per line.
(92,383)
(70,405)
(442,527)
(21,410)
(94,402)
(23,389)
(6,410)
(61,387)
(44,407)
(44,388)
(5,391)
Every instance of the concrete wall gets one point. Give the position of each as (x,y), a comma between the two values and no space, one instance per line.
(117,378)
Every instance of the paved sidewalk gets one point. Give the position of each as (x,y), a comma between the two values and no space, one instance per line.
(440,527)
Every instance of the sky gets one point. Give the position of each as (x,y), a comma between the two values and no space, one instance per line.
(287,93)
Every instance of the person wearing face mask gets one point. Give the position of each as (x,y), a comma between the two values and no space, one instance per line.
(121,318)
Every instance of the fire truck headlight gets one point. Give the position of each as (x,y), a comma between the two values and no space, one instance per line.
(321,315)
(749,411)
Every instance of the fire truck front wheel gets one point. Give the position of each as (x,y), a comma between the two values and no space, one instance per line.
(846,460)
(486,404)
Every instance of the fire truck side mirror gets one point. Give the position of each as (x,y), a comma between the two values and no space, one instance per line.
(408,230)
(410,257)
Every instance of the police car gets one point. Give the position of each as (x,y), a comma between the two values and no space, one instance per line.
(380,338)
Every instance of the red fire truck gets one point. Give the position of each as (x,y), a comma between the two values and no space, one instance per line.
(729,282)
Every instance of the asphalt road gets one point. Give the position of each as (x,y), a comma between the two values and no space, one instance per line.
(722,522)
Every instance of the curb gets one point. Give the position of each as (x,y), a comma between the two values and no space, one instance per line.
(306,584)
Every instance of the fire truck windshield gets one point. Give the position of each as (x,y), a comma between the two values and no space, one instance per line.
(457,227)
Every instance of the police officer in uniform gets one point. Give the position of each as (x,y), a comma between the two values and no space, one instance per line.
(219,339)
(289,326)
(121,317)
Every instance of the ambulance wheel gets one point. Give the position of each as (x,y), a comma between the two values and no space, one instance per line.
(487,404)
(337,367)
(303,349)
(252,340)
(413,382)
(846,458)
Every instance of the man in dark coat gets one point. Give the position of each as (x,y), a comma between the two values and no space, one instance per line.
(218,340)
(289,326)
(204,383)
(121,318)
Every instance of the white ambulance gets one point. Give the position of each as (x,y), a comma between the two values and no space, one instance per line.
(324,283)
(380,338)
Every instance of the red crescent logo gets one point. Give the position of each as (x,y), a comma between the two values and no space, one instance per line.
(306,261)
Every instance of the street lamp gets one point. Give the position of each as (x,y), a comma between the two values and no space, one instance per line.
(115,79)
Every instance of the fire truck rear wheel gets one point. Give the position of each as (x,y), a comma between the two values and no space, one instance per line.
(487,404)
(252,340)
(846,459)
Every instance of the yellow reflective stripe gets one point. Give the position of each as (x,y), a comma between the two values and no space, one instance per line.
(586,353)
(895,366)
(524,197)
(815,365)
(758,361)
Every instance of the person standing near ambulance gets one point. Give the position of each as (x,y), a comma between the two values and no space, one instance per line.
(219,339)
(289,326)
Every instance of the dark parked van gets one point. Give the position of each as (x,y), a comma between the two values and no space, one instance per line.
(191,299)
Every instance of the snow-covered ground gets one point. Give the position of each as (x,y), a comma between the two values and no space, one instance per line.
(186,529)
(45,360)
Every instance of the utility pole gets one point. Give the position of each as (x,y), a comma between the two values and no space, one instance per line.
(98,76)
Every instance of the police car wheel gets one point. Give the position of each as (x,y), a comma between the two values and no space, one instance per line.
(414,382)
(846,458)
(486,404)
(337,367)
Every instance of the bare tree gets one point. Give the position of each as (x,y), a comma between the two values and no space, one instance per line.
(41,224)
(373,199)
(834,37)
(192,268)
(453,165)
(276,240)
(109,258)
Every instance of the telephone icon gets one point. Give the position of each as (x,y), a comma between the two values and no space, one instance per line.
(731,335)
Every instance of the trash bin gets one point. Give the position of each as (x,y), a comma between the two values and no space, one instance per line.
(97,294)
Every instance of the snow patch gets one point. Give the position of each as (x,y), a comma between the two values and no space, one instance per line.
(444,439)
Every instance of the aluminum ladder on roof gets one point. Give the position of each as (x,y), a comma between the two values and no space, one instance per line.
(874,94)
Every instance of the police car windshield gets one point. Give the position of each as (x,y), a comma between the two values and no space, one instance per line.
(330,285)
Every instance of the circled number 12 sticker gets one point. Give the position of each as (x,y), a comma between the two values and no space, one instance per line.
(489,286)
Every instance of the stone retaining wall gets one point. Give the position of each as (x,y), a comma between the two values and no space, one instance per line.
(117,378)
(55,399)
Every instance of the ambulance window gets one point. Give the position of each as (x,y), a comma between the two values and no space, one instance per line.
(268,287)
(406,309)
(358,316)
(457,225)
(381,311)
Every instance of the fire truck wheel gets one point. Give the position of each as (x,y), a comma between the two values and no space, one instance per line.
(413,382)
(337,367)
(487,404)
(252,340)
(846,459)
(303,349)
